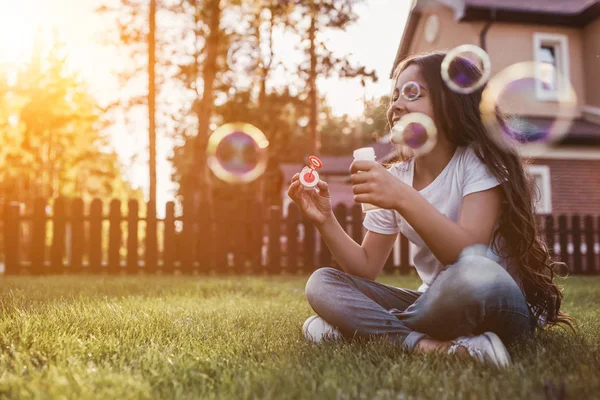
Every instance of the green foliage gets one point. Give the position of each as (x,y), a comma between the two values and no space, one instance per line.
(239,338)
(248,80)
(53,143)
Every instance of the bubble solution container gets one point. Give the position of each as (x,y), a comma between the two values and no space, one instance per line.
(366,154)
(309,178)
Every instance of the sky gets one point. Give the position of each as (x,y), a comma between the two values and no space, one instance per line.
(372,41)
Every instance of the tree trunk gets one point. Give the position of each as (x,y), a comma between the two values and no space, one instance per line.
(204,111)
(315,140)
(152,105)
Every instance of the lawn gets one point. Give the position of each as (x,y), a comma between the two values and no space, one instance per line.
(239,337)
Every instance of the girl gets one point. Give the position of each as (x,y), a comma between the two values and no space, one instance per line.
(466,193)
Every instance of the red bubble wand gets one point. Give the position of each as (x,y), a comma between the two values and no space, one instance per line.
(309,176)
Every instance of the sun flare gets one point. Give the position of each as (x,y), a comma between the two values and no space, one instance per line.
(19,21)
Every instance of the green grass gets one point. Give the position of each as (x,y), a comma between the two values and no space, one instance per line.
(239,337)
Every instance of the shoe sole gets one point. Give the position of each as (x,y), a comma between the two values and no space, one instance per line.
(501,356)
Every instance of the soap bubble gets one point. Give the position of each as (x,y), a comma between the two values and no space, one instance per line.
(415,131)
(411,91)
(237,153)
(466,68)
(522,109)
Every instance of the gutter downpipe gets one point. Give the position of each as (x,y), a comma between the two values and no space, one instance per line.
(486,28)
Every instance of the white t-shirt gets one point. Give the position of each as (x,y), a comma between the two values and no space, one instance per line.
(464,174)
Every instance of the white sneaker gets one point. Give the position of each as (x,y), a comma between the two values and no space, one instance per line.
(316,329)
(485,348)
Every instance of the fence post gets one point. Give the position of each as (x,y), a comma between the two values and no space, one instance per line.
(239,241)
(324,254)
(114,237)
(292,237)
(96,236)
(597,229)
(58,236)
(404,255)
(150,249)
(38,237)
(133,218)
(576,238)
(308,253)
(12,237)
(274,249)
(341,215)
(203,250)
(563,239)
(169,239)
(77,236)
(590,267)
(549,234)
(357,227)
(187,236)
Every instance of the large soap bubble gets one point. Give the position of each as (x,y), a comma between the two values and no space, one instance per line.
(237,153)
(466,68)
(521,109)
(415,131)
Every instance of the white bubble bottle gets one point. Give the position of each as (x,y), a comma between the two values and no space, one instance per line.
(366,154)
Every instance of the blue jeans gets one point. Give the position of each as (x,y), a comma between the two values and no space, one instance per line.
(473,296)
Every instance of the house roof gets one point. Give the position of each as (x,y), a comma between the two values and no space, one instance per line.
(582,132)
(562,7)
(574,13)
(340,165)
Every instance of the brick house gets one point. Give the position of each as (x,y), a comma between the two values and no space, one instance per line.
(563,33)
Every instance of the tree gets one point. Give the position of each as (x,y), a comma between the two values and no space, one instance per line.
(341,135)
(53,145)
(326,15)
(194,40)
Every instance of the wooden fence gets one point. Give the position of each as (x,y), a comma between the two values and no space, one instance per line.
(70,240)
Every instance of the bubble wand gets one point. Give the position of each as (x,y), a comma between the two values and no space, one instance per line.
(309,177)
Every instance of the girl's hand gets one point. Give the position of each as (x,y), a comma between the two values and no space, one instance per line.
(315,204)
(375,185)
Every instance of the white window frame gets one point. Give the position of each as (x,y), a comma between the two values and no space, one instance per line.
(544,205)
(561,46)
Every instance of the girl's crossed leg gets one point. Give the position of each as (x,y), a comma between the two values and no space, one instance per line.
(473,296)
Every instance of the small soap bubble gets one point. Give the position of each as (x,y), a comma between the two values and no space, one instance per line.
(514,113)
(416,132)
(411,91)
(237,153)
(466,68)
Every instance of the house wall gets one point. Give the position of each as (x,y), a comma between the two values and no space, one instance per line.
(508,44)
(591,59)
(575,185)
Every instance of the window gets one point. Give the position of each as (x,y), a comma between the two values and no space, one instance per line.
(541,177)
(551,54)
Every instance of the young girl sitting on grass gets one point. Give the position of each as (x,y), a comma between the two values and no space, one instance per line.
(467,192)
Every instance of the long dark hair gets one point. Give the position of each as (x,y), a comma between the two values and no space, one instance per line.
(459,118)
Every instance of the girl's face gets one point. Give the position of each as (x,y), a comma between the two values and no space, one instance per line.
(412,100)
